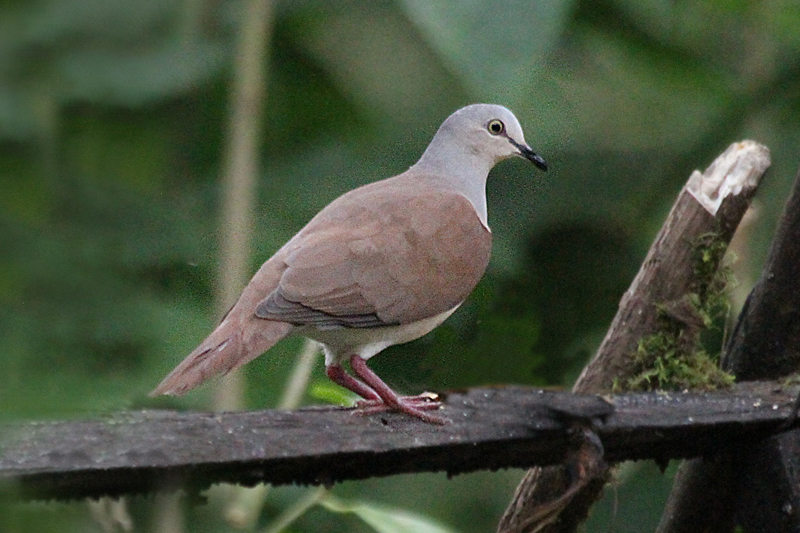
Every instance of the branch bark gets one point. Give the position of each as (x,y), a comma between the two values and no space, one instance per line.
(712,203)
(758,487)
(669,271)
(492,428)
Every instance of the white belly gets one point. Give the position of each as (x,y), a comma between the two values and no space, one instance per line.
(341,343)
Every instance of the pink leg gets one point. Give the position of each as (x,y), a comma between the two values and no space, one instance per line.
(413,406)
(337,374)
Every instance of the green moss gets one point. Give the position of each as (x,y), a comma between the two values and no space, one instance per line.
(673,358)
(663,363)
(792,380)
(712,277)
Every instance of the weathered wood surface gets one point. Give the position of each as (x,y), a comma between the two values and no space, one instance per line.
(491,429)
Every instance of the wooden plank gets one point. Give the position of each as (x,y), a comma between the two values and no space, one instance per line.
(143,451)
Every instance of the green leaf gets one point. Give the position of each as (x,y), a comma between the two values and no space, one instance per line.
(133,77)
(386,519)
(492,45)
(331,393)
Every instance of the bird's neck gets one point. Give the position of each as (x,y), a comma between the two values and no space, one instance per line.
(458,168)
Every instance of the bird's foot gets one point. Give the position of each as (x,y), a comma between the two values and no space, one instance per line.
(415,406)
(427,401)
(379,397)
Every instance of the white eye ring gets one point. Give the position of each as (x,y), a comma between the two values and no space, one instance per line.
(495,127)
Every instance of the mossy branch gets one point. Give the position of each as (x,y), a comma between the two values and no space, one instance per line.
(669,283)
(674,357)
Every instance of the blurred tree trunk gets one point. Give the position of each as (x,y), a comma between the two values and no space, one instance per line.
(241,165)
(239,190)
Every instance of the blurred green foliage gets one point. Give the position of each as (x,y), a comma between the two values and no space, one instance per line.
(112,120)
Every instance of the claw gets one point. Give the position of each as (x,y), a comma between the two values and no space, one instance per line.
(415,406)
(379,397)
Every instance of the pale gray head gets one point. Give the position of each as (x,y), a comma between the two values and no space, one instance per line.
(492,130)
(485,132)
(468,144)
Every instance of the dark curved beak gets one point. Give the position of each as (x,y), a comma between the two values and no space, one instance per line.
(526,152)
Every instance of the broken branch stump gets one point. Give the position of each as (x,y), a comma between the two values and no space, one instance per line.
(758,488)
(710,204)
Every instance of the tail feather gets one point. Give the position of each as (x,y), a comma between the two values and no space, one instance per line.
(230,346)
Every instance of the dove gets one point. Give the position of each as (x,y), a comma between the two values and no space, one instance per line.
(381,265)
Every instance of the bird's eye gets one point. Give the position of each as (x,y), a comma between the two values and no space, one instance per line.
(496,127)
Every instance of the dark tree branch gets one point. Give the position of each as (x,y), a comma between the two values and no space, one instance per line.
(670,272)
(711,203)
(759,487)
(492,428)
(766,341)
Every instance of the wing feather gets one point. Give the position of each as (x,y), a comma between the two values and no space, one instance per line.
(391,255)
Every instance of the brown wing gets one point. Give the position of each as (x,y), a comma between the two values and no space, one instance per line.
(380,256)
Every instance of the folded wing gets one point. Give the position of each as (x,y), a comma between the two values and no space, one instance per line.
(394,256)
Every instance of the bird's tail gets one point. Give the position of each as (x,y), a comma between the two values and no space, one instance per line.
(230,346)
